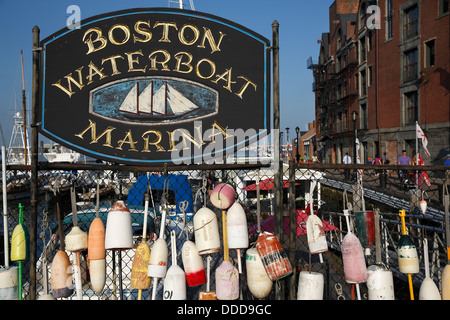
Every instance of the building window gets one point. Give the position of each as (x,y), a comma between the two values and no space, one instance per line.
(429,53)
(410,66)
(411,107)
(443,7)
(370,75)
(362,50)
(389,18)
(363,116)
(362,16)
(363,89)
(411,22)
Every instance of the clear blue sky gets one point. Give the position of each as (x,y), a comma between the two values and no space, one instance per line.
(302,23)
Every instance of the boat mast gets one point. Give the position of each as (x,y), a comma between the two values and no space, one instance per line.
(180,4)
(24,112)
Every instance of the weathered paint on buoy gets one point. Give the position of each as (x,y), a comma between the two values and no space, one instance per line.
(61,276)
(9,281)
(310,286)
(273,257)
(175,280)
(139,277)
(20,243)
(227,281)
(408,260)
(157,264)
(380,283)
(207,295)
(76,240)
(258,281)
(97,271)
(193,264)
(355,269)
(206,231)
(237,230)
(365,228)
(96,240)
(222,196)
(119,230)
(423,206)
(317,241)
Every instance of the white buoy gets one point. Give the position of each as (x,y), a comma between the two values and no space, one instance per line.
(310,286)
(380,283)
(237,230)
(9,280)
(258,281)
(317,242)
(193,264)
(175,280)
(206,231)
(423,206)
(119,230)
(97,269)
(428,289)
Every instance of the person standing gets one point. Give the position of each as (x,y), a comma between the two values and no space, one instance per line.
(447,161)
(403,160)
(347,159)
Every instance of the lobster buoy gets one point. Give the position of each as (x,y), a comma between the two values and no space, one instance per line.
(380,283)
(208,294)
(273,257)
(423,206)
(97,273)
(76,240)
(157,264)
(408,260)
(19,243)
(9,281)
(206,231)
(96,240)
(119,230)
(193,264)
(365,229)
(428,289)
(139,268)
(317,242)
(61,276)
(355,269)
(310,286)
(258,281)
(237,230)
(175,281)
(222,196)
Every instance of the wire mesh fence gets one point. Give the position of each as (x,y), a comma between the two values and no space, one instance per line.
(178,195)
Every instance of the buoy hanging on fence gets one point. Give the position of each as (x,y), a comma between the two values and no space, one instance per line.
(222,196)
(355,269)
(408,261)
(97,250)
(175,280)
(423,206)
(20,246)
(317,242)
(274,258)
(365,229)
(206,231)
(380,283)
(237,230)
(193,264)
(310,286)
(9,283)
(428,289)
(119,230)
(227,276)
(76,241)
(258,281)
(208,294)
(139,268)
(446,273)
(61,276)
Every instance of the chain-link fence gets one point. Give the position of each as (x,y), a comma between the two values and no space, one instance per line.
(333,190)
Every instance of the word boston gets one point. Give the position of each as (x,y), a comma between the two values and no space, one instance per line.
(111,87)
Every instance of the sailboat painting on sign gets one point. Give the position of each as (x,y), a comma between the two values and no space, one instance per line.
(154,100)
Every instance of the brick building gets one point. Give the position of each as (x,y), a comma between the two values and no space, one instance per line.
(388,76)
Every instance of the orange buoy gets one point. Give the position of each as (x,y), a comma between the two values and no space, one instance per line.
(274,258)
(96,240)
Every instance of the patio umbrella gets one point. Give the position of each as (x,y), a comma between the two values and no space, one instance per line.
(268,224)
(266,184)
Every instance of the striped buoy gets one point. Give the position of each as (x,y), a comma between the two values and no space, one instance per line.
(273,257)
(365,229)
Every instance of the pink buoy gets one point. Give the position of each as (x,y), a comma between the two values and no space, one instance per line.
(355,269)
(222,197)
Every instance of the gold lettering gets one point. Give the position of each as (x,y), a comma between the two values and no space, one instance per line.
(166,26)
(155,142)
(171,141)
(90,42)
(179,57)
(122,27)
(186,136)
(183,38)
(212,65)
(207,35)
(113,63)
(131,61)
(163,63)
(70,80)
(94,139)
(226,76)
(142,31)
(129,140)
(244,87)
(221,130)
(93,67)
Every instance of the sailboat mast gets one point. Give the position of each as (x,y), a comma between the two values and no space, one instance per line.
(165,102)
(137,98)
(24,111)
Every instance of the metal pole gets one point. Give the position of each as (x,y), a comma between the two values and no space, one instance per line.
(34,164)
(292,228)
